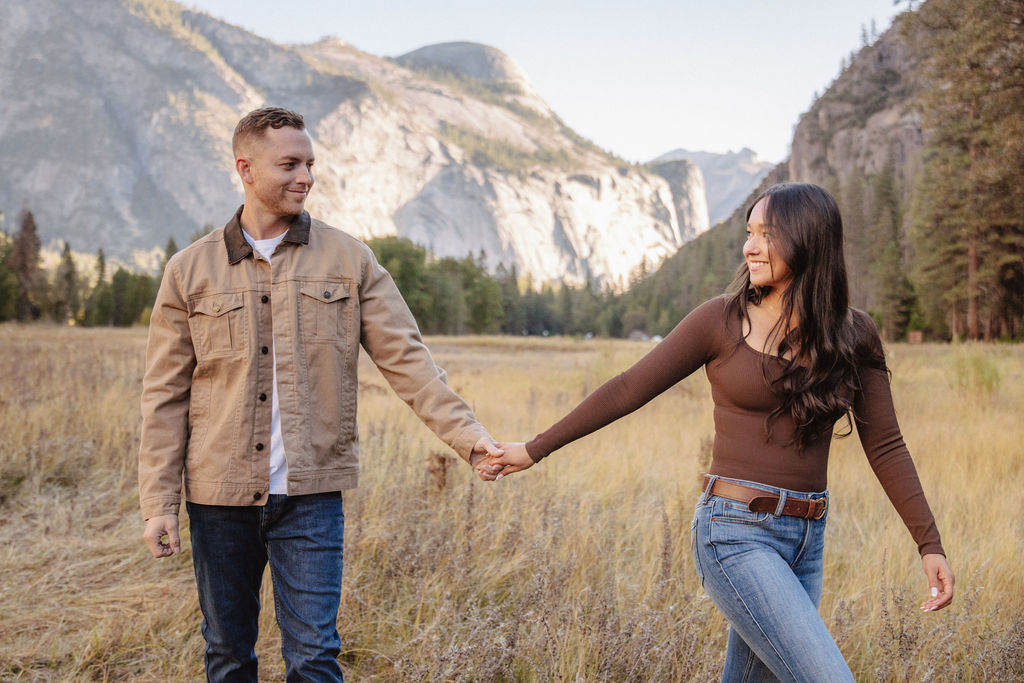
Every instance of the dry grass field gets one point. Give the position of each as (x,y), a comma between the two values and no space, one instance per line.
(577,570)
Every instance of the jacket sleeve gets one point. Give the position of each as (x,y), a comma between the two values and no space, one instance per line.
(166,389)
(392,339)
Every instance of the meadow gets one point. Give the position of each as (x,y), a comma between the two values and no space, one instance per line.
(577,570)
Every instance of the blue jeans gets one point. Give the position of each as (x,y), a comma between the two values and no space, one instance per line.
(764,572)
(302,538)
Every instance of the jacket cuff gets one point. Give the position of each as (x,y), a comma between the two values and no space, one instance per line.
(157,507)
(465,440)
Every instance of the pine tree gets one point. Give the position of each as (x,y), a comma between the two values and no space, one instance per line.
(66,299)
(971,197)
(170,250)
(24,261)
(8,279)
(100,301)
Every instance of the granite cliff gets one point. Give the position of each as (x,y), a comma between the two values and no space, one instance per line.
(116,121)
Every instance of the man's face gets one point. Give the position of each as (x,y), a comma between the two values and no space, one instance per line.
(277,170)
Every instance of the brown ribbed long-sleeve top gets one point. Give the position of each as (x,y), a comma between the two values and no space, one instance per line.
(710,338)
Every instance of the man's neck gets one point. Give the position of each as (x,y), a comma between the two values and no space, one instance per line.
(264,226)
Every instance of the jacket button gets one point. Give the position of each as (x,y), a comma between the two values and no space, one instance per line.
(264,298)
(327,295)
(259,447)
(257,495)
(263,397)
(265,350)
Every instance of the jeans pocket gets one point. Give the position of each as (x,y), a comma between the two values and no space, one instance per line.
(735,512)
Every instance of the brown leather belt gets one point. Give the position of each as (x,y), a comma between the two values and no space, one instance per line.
(758,500)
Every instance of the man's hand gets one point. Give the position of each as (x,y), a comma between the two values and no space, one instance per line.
(940,581)
(481,459)
(515,459)
(161,535)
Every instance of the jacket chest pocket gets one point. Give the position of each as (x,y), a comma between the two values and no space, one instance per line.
(219,326)
(324,310)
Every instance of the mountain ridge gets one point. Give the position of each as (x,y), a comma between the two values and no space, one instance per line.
(127,142)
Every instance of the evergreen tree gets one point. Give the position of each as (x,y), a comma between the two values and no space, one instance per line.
(970,200)
(66,299)
(99,305)
(8,280)
(511,299)
(24,261)
(169,250)
(483,297)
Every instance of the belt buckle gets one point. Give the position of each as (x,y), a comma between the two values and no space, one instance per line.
(824,508)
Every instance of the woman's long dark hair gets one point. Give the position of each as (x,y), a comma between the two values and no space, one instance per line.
(820,356)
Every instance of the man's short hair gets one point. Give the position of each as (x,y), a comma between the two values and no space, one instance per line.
(257,121)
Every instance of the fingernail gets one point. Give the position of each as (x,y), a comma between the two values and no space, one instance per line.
(498,477)
(935,591)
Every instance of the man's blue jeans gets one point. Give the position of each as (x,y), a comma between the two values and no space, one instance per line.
(764,572)
(302,538)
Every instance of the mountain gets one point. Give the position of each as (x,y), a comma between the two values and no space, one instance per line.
(728,178)
(863,141)
(116,123)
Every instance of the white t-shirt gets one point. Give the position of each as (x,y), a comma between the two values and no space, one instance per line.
(278,463)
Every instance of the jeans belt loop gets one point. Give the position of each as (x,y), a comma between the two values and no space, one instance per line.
(782,503)
(710,484)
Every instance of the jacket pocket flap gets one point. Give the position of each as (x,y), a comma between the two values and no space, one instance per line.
(217,305)
(325,292)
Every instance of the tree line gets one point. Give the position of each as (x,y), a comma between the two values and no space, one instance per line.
(446,295)
(29,292)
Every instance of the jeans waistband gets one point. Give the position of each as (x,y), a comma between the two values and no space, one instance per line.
(777,500)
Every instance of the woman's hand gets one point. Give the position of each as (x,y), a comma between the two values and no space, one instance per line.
(940,581)
(514,459)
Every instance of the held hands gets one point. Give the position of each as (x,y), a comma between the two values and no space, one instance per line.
(482,457)
(940,581)
(514,458)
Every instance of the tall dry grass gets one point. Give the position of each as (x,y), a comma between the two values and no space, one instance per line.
(578,569)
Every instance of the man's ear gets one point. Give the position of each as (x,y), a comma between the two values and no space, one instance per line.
(244,169)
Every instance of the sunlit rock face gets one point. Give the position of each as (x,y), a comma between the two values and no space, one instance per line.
(121,139)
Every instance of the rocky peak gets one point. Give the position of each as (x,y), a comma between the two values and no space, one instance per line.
(124,141)
(728,178)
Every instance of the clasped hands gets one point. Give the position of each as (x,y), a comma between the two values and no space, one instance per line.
(493,461)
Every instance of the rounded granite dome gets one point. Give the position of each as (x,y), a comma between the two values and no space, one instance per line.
(474,60)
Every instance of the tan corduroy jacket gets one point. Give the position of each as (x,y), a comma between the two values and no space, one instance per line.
(209,367)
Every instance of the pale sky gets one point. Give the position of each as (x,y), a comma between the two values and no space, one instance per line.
(637,78)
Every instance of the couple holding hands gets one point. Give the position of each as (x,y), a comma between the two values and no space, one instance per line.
(249,404)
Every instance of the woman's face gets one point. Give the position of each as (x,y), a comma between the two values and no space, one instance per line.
(767,269)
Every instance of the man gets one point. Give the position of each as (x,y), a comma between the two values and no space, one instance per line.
(250,393)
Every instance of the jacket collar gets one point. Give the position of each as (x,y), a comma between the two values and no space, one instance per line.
(239,249)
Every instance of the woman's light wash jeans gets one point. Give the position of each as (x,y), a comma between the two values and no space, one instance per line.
(764,572)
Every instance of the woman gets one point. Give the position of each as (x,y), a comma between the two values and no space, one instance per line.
(786,358)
